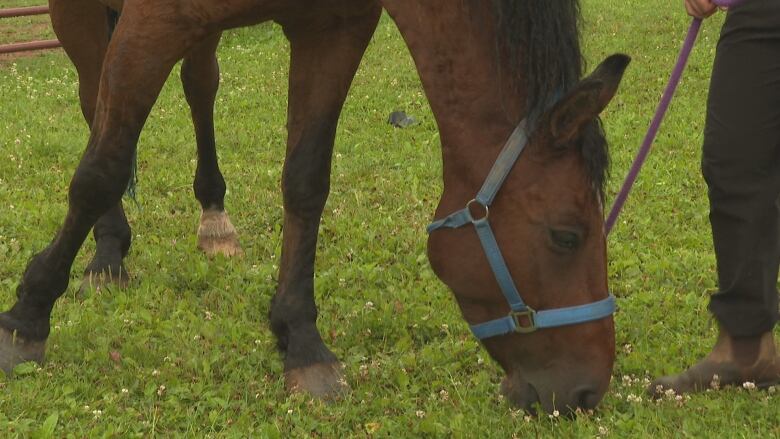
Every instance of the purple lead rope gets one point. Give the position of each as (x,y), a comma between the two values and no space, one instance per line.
(655,124)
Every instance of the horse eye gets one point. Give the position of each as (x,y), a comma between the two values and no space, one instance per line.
(565,239)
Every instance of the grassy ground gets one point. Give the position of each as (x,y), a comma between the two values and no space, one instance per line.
(186,349)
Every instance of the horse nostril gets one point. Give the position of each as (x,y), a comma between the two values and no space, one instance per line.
(520,394)
(586,397)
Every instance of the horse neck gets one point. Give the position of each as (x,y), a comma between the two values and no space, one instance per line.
(475,104)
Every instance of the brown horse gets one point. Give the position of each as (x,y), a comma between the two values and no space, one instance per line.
(485,67)
(84,28)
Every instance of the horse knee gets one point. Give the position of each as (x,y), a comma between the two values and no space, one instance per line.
(306,176)
(99,182)
(305,194)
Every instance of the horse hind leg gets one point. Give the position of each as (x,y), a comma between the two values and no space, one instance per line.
(134,72)
(200,78)
(323,63)
(83,27)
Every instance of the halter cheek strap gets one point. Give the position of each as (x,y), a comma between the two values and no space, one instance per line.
(522,318)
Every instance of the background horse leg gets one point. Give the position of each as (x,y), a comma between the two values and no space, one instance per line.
(323,63)
(140,57)
(83,28)
(200,78)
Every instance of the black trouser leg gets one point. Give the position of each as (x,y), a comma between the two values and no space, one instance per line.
(741,164)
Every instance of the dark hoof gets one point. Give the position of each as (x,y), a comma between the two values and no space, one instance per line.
(216,234)
(99,281)
(322,380)
(14,351)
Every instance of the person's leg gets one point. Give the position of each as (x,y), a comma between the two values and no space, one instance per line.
(741,164)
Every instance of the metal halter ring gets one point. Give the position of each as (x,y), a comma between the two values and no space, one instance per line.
(468,210)
(530,315)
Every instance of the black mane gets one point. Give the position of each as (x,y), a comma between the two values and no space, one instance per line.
(542,41)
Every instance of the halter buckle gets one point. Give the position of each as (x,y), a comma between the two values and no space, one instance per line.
(528,316)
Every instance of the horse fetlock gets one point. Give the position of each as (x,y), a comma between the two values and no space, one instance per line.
(15,350)
(216,234)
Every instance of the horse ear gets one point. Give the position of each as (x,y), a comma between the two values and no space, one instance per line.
(587,99)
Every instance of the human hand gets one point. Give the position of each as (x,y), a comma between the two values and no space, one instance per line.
(700,8)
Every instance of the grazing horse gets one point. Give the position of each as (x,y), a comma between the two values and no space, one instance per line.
(84,27)
(502,78)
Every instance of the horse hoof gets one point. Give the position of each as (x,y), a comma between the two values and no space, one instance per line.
(100,281)
(14,350)
(322,380)
(216,234)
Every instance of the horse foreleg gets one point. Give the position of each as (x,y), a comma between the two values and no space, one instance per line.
(139,59)
(323,62)
(82,27)
(200,78)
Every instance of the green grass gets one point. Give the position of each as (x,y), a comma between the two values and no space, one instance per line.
(412,364)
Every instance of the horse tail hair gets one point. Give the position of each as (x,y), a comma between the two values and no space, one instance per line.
(112,18)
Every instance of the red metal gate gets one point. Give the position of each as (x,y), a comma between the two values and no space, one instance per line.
(27,45)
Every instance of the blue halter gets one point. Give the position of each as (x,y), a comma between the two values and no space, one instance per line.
(522,318)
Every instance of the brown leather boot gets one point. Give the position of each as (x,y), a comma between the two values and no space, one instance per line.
(733,361)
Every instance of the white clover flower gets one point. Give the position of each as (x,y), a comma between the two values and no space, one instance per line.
(633,398)
(420,413)
(715,383)
(749,385)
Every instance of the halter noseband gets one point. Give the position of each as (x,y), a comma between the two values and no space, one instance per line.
(522,318)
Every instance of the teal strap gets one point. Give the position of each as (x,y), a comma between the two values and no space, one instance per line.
(496,261)
(506,161)
(546,319)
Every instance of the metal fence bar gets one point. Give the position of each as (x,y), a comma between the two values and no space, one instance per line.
(27,45)
(23,12)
